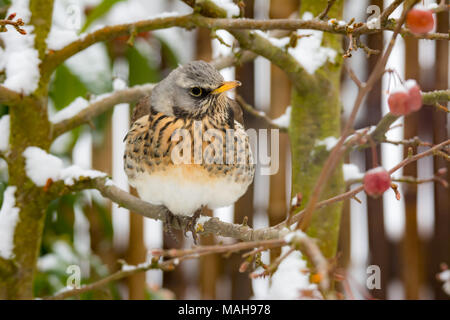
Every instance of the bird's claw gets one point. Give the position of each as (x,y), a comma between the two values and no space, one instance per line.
(170,218)
(190,226)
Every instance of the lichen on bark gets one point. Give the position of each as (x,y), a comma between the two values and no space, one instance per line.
(29,127)
(315,116)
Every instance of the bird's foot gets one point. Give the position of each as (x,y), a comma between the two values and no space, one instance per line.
(173,220)
(168,224)
(192,221)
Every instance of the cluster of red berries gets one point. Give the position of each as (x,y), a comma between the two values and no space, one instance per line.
(405,99)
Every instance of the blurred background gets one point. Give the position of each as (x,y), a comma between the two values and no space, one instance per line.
(408,239)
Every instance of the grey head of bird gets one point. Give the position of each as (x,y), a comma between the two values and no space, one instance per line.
(190,90)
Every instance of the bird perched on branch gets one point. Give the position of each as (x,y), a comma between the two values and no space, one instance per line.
(187,148)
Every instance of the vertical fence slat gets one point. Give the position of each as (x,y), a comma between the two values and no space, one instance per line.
(411,255)
(440,246)
(378,249)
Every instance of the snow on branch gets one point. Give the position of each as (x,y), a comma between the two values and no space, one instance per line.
(82,112)
(280,123)
(258,239)
(219,21)
(167,260)
(4,133)
(43,169)
(19,59)
(9,216)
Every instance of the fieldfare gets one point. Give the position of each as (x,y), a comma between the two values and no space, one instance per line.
(187,148)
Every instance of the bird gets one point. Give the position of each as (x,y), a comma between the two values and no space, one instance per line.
(188,116)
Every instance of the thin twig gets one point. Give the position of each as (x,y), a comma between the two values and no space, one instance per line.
(324,13)
(17,24)
(351,193)
(387,12)
(258,114)
(353,76)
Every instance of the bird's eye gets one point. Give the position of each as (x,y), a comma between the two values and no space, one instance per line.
(196,91)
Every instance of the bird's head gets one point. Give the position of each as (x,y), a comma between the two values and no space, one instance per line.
(191,90)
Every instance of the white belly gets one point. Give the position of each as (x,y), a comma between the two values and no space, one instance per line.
(185,189)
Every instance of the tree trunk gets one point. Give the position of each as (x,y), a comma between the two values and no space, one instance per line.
(29,126)
(316,110)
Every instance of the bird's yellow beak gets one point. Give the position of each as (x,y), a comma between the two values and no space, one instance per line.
(227,85)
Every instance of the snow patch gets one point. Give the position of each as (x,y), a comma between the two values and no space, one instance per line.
(133,11)
(119,84)
(285,119)
(290,279)
(20,60)
(41,166)
(308,51)
(229,6)
(293,236)
(110,183)
(333,22)
(294,201)
(58,38)
(410,83)
(351,172)
(444,276)
(4,133)
(199,225)
(71,110)
(9,216)
(328,142)
(73,173)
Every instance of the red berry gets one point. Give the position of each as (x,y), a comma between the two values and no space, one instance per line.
(415,97)
(376,181)
(397,103)
(420,21)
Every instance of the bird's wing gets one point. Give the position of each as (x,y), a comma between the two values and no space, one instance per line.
(148,144)
(141,109)
(237,110)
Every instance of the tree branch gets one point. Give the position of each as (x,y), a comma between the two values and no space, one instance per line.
(258,114)
(436,96)
(387,12)
(102,105)
(324,13)
(432,97)
(213,225)
(9,97)
(234,59)
(305,244)
(54,58)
